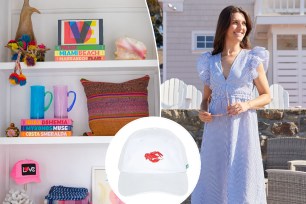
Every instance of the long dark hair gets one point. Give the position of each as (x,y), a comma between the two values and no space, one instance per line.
(224,22)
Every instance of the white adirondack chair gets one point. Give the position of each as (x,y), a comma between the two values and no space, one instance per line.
(172,94)
(255,93)
(175,94)
(280,97)
(193,98)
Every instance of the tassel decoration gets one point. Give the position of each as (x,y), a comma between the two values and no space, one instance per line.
(16,78)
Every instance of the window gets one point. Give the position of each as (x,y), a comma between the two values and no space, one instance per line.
(202,41)
(287,42)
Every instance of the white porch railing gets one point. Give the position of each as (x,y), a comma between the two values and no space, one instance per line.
(284,7)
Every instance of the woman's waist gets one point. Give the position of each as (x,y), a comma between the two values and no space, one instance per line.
(232,97)
(219,105)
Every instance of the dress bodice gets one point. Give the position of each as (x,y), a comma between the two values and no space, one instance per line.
(239,84)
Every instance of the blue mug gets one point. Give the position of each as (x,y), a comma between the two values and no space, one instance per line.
(38,107)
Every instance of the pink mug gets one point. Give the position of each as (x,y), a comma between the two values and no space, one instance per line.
(61,96)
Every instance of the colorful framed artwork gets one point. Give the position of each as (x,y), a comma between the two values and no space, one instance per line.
(101,191)
(80,32)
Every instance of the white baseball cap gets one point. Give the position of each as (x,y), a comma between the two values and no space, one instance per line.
(153,160)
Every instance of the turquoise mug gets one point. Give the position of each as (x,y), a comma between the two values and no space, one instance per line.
(38,107)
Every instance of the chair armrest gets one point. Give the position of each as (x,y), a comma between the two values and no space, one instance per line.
(286,186)
(292,164)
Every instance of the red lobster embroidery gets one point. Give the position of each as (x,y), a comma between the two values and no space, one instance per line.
(154,156)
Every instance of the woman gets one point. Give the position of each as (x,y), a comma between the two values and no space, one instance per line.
(232,171)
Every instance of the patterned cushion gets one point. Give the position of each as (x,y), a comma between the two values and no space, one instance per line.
(112,105)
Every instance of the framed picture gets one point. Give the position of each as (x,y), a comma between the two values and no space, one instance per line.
(101,191)
(80,32)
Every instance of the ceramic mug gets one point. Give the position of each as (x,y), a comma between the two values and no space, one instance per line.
(38,107)
(61,95)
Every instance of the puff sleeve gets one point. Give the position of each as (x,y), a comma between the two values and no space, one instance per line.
(258,55)
(203,67)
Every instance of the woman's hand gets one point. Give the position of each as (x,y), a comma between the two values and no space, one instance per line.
(205,116)
(237,108)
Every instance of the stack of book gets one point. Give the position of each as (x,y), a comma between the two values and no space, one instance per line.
(79,52)
(46,127)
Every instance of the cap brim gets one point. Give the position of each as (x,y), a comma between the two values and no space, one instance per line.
(135,183)
(21,180)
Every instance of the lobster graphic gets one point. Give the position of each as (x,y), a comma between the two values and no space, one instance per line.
(154,156)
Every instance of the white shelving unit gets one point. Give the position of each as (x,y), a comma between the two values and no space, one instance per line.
(69,160)
(59,140)
(108,64)
(17,101)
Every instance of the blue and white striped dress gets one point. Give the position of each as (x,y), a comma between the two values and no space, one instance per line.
(232,170)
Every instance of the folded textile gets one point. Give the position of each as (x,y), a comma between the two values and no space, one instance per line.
(66,193)
(84,201)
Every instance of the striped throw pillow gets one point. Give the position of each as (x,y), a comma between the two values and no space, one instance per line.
(113,105)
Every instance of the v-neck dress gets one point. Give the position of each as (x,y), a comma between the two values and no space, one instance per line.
(231,168)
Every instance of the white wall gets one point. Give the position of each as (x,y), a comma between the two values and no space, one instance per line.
(4,16)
